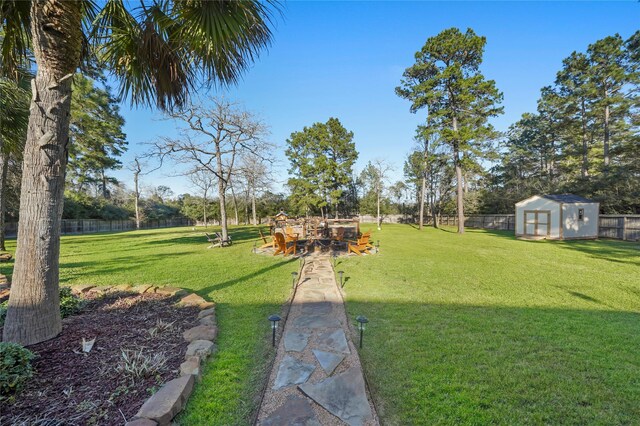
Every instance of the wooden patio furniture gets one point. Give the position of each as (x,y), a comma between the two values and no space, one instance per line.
(267,244)
(362,245)
(216,240)
(367,237)
(281,244)
(290,234)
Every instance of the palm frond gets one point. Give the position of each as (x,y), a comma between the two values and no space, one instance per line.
(14,115)
(15,37)
(162,50)
(226,36)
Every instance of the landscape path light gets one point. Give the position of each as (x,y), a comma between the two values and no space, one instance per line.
(335,258)
(341,273)
(362,320)
(294,274)
(274,324)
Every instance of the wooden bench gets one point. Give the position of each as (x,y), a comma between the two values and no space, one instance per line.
(216,240)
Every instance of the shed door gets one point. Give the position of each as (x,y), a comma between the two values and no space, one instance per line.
(537,223)
(530,223)
(543,219)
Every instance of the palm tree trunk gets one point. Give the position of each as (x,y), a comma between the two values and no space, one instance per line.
(4,165)
(34,305)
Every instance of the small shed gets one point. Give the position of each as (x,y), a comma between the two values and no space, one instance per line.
(557,217)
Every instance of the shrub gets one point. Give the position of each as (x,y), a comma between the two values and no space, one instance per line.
(3,312)
(15,367)
(69,303)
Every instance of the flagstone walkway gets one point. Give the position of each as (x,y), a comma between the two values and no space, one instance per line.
(317,377)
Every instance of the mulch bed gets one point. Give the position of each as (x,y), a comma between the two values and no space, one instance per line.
(70,387)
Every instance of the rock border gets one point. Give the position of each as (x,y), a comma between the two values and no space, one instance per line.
(161,407)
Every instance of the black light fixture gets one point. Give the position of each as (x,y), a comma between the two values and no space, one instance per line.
(335,258)
(294,274)
(341,273)
(362,320)
(274,324)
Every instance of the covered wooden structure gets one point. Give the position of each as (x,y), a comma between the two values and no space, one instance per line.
(316,233)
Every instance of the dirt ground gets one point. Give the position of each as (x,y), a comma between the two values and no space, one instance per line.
(70,387)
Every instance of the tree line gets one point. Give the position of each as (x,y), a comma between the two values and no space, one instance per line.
(584,137)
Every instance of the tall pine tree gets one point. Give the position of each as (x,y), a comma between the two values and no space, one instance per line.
(446,79)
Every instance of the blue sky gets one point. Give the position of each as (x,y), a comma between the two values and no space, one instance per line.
(344,59)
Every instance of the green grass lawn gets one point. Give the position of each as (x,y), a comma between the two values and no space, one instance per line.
(482,328)
(473,329)
(246,287)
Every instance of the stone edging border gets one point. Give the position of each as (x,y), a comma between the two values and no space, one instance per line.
(161,407)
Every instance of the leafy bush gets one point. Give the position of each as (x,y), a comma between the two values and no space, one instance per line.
(3,312)
(69,303)
(15,367)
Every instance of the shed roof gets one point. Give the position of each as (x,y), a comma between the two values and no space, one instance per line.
(567,198)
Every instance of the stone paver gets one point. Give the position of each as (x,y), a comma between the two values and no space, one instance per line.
(343,396)
(317,378)
(316,321)
(295,340)
(317,308)
(295,411)
(328,360)
(334,341)
(292,372)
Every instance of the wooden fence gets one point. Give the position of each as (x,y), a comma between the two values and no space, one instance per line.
(619,227)
(88,226)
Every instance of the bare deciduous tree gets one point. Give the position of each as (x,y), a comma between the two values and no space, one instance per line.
(212,138)
(255,174)
(137,166)
(376,173)
(204,180)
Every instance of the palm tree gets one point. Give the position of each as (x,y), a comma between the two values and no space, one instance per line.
(160,51)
